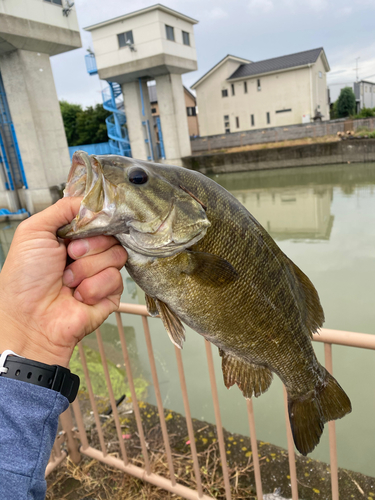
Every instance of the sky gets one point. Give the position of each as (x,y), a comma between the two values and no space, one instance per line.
(252,29)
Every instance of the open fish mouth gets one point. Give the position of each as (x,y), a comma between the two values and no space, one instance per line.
(86,179)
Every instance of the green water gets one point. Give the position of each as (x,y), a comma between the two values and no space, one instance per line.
(323,218)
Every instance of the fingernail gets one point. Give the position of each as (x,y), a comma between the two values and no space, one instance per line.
(68,277)
(78,296)
(79,248)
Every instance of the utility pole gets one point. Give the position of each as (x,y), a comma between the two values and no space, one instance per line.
(356,67)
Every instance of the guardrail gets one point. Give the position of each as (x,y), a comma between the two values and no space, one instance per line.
(326,336)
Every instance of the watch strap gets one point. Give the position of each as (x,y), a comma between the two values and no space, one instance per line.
(54,377)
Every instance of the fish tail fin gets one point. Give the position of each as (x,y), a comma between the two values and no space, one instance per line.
(309,413)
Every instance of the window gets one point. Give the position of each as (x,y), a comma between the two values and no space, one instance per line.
(125,39)
(170,33)
(226,117)
(320,74)
(227,130)
(245,87)
(191,111)
(268,118)
(283,110)
(237,122)
(226,124)
(153,110)
(224,93)
(56,2)
(185,38)
(258,84)
(252,120)
(232,86)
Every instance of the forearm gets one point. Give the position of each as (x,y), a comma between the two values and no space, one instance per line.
(28,425)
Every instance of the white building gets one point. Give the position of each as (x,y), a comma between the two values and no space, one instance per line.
(34,151)
(364,94)
(155,43)
(238,94)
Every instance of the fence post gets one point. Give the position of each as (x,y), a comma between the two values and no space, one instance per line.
(72,444)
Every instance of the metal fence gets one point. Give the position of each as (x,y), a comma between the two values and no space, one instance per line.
(70,436)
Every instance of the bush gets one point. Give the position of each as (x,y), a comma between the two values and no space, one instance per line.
(346,103)
(84,126)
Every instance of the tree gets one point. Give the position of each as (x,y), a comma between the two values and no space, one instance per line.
(69,115)
(346,103)
(84,126)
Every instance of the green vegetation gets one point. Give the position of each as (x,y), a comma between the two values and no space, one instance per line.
(345,104)
(365,132)
(84,126)
(366,113)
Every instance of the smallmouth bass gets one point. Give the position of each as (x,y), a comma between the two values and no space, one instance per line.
(203,259)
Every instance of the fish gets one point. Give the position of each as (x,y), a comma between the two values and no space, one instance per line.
(203,260)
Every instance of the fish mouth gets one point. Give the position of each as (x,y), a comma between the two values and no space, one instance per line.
(86,179)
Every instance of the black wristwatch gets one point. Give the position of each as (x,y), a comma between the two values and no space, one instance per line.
(54,377)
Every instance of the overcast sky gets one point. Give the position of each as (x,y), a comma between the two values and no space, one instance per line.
(253,29)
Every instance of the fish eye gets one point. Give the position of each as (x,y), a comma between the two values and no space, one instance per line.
(137,176)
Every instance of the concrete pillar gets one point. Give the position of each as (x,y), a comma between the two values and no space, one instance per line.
(173,118)
(37,120)
(134,118)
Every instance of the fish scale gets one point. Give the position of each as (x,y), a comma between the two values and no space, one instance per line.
(204,260)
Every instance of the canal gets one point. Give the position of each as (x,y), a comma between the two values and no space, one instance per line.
(323,218)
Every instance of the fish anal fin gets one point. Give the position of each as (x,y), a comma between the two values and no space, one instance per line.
(151,306)
(250,378)
(313,311)
(309,413)
(172,324)
(209,268)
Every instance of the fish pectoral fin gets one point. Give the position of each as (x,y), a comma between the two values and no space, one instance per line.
(151,306)
(250,378)
(209,268)
(172,324)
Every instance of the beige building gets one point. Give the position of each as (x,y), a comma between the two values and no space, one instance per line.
(156,43)
(238,94)
(191,108)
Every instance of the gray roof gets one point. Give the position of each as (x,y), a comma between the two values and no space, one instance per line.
(277,63)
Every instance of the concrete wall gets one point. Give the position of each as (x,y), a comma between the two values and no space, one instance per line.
(36,116)
(350,151)
(300,90)
(274,134)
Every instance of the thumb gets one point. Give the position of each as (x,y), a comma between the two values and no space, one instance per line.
(55,216)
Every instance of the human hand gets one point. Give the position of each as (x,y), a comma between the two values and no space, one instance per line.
(46,308)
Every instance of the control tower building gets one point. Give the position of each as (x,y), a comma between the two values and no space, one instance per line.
(155,43)
(34,156)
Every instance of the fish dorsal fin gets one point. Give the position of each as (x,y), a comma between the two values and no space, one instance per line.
(172,324)
(250,378)
(312,311)
(209,268)
(151,306)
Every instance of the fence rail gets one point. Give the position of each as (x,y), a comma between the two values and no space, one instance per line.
(326,336)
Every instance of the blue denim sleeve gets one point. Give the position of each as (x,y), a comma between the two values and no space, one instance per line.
(28,425)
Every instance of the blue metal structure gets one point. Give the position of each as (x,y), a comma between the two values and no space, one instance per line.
(160,143)
(102,148)
(10,156)
(91,64)
(116,123)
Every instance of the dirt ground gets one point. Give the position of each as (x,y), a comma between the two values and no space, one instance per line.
(91,480)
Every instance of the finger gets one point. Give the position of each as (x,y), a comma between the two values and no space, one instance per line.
(103,285)
(90,246)
(88,266)
(55,216)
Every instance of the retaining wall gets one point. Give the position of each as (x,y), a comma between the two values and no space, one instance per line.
(274,134)
(348,151)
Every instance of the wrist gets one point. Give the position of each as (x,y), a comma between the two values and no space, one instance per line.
(30,344)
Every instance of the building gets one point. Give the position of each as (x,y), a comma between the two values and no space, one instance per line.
(364,94)
(237,94)
(34,156)
(191,108)
(155,43)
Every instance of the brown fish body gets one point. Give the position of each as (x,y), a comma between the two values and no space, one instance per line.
(234,286)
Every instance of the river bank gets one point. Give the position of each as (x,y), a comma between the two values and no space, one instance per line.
(314,480)
(326,153)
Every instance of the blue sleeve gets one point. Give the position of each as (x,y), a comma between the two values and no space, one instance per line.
(28,425)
